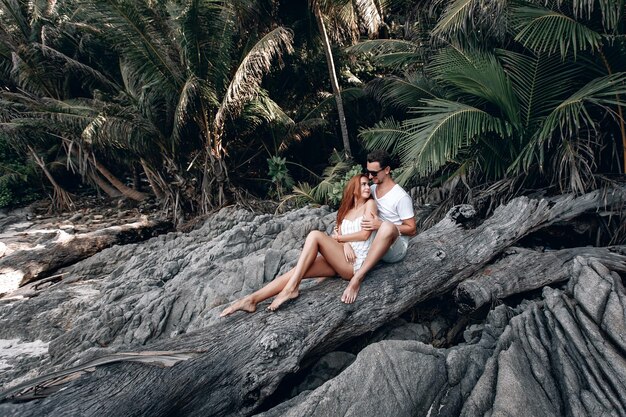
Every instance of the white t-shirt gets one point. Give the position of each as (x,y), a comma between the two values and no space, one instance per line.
(394,206)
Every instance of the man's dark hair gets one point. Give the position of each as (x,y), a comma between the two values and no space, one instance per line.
(381,156)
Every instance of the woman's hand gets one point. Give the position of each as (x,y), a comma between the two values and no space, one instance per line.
(348,252)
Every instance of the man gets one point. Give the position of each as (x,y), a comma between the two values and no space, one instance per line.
(393,226)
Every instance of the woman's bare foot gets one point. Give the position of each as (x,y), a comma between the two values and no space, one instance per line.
(350,293)
(245,304)
(283,296)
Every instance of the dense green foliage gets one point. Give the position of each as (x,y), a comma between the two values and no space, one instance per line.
(208,101)
(525,91)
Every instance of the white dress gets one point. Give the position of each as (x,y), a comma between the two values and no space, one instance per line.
(361,247)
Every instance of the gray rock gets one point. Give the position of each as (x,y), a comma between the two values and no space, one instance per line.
(128,295)
(560,356)
(326,368)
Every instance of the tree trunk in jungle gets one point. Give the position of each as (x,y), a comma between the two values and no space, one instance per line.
(334,82)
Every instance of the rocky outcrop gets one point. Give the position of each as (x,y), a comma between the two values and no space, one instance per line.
(562,355)
(164,295)
(127,296)
(520,270)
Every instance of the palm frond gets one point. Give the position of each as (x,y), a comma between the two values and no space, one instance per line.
(16,17)
(31,74)
(476,76)
(402,93)
(539,82)
(442,129)
(574,166)
(543,30)
(455,17)
(386,134)
(138,33)
(331,175)
(392,53)
(370,14)
(200,21)
(462,17)
(89,73)
(329,102)
(254,66)
(187,106)
(611,12)
(573,113)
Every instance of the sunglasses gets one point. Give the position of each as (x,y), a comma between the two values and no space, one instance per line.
(373,173)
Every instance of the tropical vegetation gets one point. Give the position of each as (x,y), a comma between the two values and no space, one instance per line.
(198,103)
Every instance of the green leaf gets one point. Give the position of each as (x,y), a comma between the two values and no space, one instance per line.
(544,30)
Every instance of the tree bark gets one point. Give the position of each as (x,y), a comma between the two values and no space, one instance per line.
(126,191)
(68,249)
(103,185)
(245,356)
(61,199)
(332,72)
(524,270)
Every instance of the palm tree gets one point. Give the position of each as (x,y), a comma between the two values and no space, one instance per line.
(170,76)
(540,105)
(345,18)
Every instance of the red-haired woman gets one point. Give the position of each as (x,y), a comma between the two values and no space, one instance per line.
(322,255)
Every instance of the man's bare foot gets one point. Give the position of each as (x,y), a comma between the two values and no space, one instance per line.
(350,293)
(282,297)
(245,304)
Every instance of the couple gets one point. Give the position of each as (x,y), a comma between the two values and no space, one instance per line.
(367,231)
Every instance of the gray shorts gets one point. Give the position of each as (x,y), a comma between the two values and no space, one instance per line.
(397,251)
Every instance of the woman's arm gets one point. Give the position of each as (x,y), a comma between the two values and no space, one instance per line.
(370,211)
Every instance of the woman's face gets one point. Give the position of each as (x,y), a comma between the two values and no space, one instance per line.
(364,188)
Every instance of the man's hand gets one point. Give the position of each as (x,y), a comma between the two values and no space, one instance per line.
(371,224)
(348,252)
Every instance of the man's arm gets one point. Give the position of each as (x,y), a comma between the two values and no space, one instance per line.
(408,227)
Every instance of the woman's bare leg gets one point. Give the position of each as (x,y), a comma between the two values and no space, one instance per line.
(320,268)
(331,251)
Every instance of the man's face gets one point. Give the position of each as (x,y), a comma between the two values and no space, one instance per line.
(375,173)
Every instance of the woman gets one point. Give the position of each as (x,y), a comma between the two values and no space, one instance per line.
(322,255)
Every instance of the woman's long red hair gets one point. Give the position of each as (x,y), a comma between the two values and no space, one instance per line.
(350,191)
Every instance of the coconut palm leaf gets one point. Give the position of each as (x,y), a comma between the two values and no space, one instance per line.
(465,16)
(87,73)
(391,52)
(245,83)
(573,113)
(15,16)
(329,102)
(369,12)
(199,22)
(455,17)
(386,134)
(476,77)
(136,30)
(402,93)
(331,175)
(575,165)
(195,93)
(540,81)
(543,30)
(442,130)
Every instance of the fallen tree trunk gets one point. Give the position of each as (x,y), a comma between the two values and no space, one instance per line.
(524,270)
(245,356)
(553,356)
(67,249)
